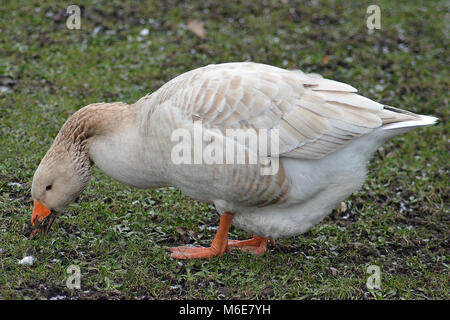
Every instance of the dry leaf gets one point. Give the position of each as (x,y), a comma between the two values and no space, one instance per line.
(181,231)
(196,27)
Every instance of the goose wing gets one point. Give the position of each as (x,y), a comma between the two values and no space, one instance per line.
(314,116)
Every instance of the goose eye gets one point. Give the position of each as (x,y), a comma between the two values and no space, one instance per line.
(48,187)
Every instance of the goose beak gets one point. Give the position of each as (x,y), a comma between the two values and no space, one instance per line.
(39,212)
(41,218)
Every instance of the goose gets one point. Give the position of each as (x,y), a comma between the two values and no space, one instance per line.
(322,135)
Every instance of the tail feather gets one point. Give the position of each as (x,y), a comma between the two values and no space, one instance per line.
(394,118)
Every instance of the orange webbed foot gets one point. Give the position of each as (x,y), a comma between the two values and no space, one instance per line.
(191,252)
(218,246)
(256,245)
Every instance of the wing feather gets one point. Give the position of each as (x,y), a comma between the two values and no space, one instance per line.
(351,99)
(314,116)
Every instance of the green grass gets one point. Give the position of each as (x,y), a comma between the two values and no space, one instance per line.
(116,234)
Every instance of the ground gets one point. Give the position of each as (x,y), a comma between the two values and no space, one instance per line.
(117,235)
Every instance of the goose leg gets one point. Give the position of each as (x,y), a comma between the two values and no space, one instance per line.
(218,246)
(256,245)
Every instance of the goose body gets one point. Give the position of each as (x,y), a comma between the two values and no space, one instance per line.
(326,134)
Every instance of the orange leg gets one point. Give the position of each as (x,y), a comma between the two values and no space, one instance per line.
(218,246)
(256,245)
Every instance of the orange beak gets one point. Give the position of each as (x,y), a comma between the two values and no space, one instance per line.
(40,212)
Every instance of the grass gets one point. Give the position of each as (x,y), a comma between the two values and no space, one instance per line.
(399,221)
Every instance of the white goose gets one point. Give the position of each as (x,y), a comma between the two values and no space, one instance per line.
(327,133)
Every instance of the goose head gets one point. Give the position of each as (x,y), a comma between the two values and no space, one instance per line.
(65,170)
(62,175)
(57,182)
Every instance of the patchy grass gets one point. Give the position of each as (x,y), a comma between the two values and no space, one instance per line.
(399,221)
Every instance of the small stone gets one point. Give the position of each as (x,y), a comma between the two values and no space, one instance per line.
(27,261)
